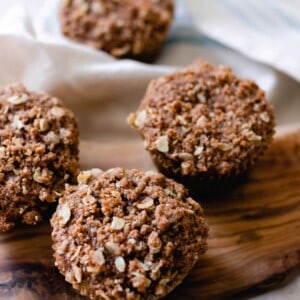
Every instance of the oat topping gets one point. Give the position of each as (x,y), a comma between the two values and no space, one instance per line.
(198,150)
(57,111)
(117,223)
(64,213)
(83,177)
(135,241)
(203,121)
(98,257)
(201,98)
(17,99)
(17,123)
(52,137)
(162,144)
(34,158)
(42,175)
(140,119)
(185,156)
(146,203)
(265,117)
(44,125)
(77,273)
(123,28)
(120,264)
(181,120)
(225,147)
(112,248)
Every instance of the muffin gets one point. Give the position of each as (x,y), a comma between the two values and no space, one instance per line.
(126,234)
(202,124)
(38,154)
(123,28)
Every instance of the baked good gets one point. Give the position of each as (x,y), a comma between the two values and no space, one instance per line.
(38,154)
(203,124)
(124,28)
(127,234)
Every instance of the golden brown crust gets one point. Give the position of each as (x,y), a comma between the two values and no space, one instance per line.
(126,234)
(203,122)
(38,154)
(123,28)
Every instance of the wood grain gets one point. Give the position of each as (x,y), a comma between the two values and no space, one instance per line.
(254,240)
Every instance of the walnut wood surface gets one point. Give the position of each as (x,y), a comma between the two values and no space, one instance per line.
(254,238)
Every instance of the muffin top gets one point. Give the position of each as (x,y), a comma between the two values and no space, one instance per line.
(38,153)
(126,234)
(124,28)
(203,120)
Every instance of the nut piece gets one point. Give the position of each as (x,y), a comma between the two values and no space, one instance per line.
(57,112)
(117,223)
(97,7)
(146,203)
(162,144)
(96,171)
(120,264)
(76,253)
(65,214)
(265,117)
(42,176)
(121,51)
(17,123)
(201,98)
(84,177)
(201,121)
(131,119)
(252,136)
(98,257)
(112,247)
(181,120)
(77,273)
(225,147)
(44,125)
(17,99)
(154,242)
(185,156)
(139,281)
(255,138)
(198,150)
(52,137)
(140,118)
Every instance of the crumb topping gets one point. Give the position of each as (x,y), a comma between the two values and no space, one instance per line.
(204,120)
(137,239)
(124,28)
(38,155)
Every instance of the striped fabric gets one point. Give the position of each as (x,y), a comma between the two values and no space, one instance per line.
(265,30)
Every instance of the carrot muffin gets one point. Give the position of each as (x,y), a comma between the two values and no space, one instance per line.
(204,124)
(123,28)
(38,154)
(126,234)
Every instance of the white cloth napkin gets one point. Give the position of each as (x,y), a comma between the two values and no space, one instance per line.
(97,87)
(32,50)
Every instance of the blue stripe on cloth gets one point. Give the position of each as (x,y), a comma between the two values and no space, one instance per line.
(183,30)
(236,12)
(193,40)
(261,14)
(288,19)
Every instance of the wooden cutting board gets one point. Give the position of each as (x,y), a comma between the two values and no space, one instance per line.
(254,240)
